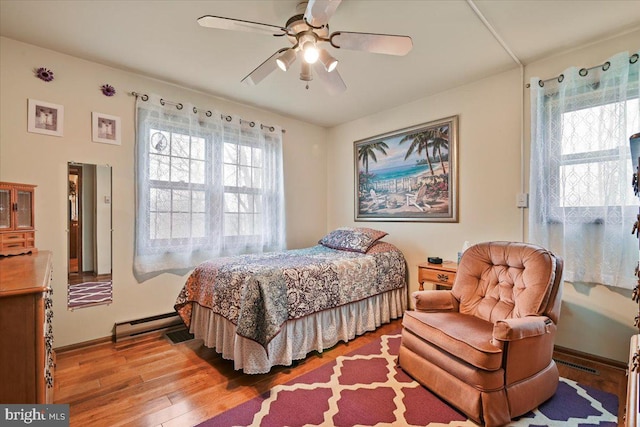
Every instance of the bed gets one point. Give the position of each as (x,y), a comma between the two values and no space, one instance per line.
(274,308)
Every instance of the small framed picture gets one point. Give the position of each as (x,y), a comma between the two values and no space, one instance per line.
(106,128)
(45,117)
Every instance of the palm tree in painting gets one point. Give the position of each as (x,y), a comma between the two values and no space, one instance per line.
(436,138)
(440,141)
(369,151)
(419,143)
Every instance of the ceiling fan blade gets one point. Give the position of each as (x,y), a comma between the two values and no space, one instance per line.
(331,80)
(223,23)
(262,70)
(375,43)
(319,12)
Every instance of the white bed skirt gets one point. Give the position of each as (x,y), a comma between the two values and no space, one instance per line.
(298,337)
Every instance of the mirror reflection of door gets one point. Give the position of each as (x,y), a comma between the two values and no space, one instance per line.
(89,225)
(75,199)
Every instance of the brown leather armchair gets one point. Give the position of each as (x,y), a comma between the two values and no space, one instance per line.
(486,345)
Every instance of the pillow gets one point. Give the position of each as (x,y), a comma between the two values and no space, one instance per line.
(358,239)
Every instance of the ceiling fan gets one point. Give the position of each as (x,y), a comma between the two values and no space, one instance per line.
(307,31)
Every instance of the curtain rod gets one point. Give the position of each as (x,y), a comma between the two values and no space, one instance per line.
(584,71)
(208,113)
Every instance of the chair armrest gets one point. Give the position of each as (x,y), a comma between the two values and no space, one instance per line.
(434,300)
(519,328)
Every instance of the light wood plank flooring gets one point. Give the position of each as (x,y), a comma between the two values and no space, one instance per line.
(148,381)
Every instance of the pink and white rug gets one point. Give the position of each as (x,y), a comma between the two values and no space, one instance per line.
(365,388)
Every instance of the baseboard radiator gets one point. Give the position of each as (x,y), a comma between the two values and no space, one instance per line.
(577,366)
(159,323)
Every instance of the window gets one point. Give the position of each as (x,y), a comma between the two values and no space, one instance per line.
(205,188)
(593,171)
(242,172)
(582,205)
(178,186)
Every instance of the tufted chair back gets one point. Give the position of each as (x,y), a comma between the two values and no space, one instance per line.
(503,280)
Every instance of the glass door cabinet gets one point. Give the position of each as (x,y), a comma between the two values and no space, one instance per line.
(17,228)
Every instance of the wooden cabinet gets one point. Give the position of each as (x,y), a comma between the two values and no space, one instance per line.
(17,228)
(26,331)
(441,275)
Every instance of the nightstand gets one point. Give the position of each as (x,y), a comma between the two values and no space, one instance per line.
(441,275)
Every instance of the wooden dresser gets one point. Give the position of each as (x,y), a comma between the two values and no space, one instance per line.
(26,332)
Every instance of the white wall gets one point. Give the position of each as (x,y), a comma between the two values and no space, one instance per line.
(103,220)
(595,319)
(42,160)
(88,209)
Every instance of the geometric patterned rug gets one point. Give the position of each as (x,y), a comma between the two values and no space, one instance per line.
(89,293)
(365,388)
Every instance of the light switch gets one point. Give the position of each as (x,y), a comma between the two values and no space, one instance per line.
(522,200)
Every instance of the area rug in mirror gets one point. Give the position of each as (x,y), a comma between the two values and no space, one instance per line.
(89,293)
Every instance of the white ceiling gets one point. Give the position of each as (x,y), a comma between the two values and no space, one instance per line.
(451,44)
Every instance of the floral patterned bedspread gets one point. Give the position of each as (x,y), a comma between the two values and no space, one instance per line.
(259,293)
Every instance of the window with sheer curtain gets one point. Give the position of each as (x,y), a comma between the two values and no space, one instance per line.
(582,202)
(206,187)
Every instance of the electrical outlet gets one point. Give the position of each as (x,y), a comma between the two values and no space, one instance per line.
(522,200)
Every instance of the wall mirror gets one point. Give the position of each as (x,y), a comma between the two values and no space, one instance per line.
(89,235)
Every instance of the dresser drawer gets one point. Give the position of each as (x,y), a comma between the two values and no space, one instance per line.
(436,276)
(26,331)
(17,242)
(13,240)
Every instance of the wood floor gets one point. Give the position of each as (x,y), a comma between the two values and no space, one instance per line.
(149,381)
(75,278)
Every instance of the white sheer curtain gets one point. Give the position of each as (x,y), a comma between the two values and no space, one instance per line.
(582,202)
(252,179)
(205,187)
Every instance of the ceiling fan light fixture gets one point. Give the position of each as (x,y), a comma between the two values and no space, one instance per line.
(305,72)
(330,63)
(310,52)
(285,60)
(307,31)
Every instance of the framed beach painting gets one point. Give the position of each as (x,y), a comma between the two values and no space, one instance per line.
(408,175)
